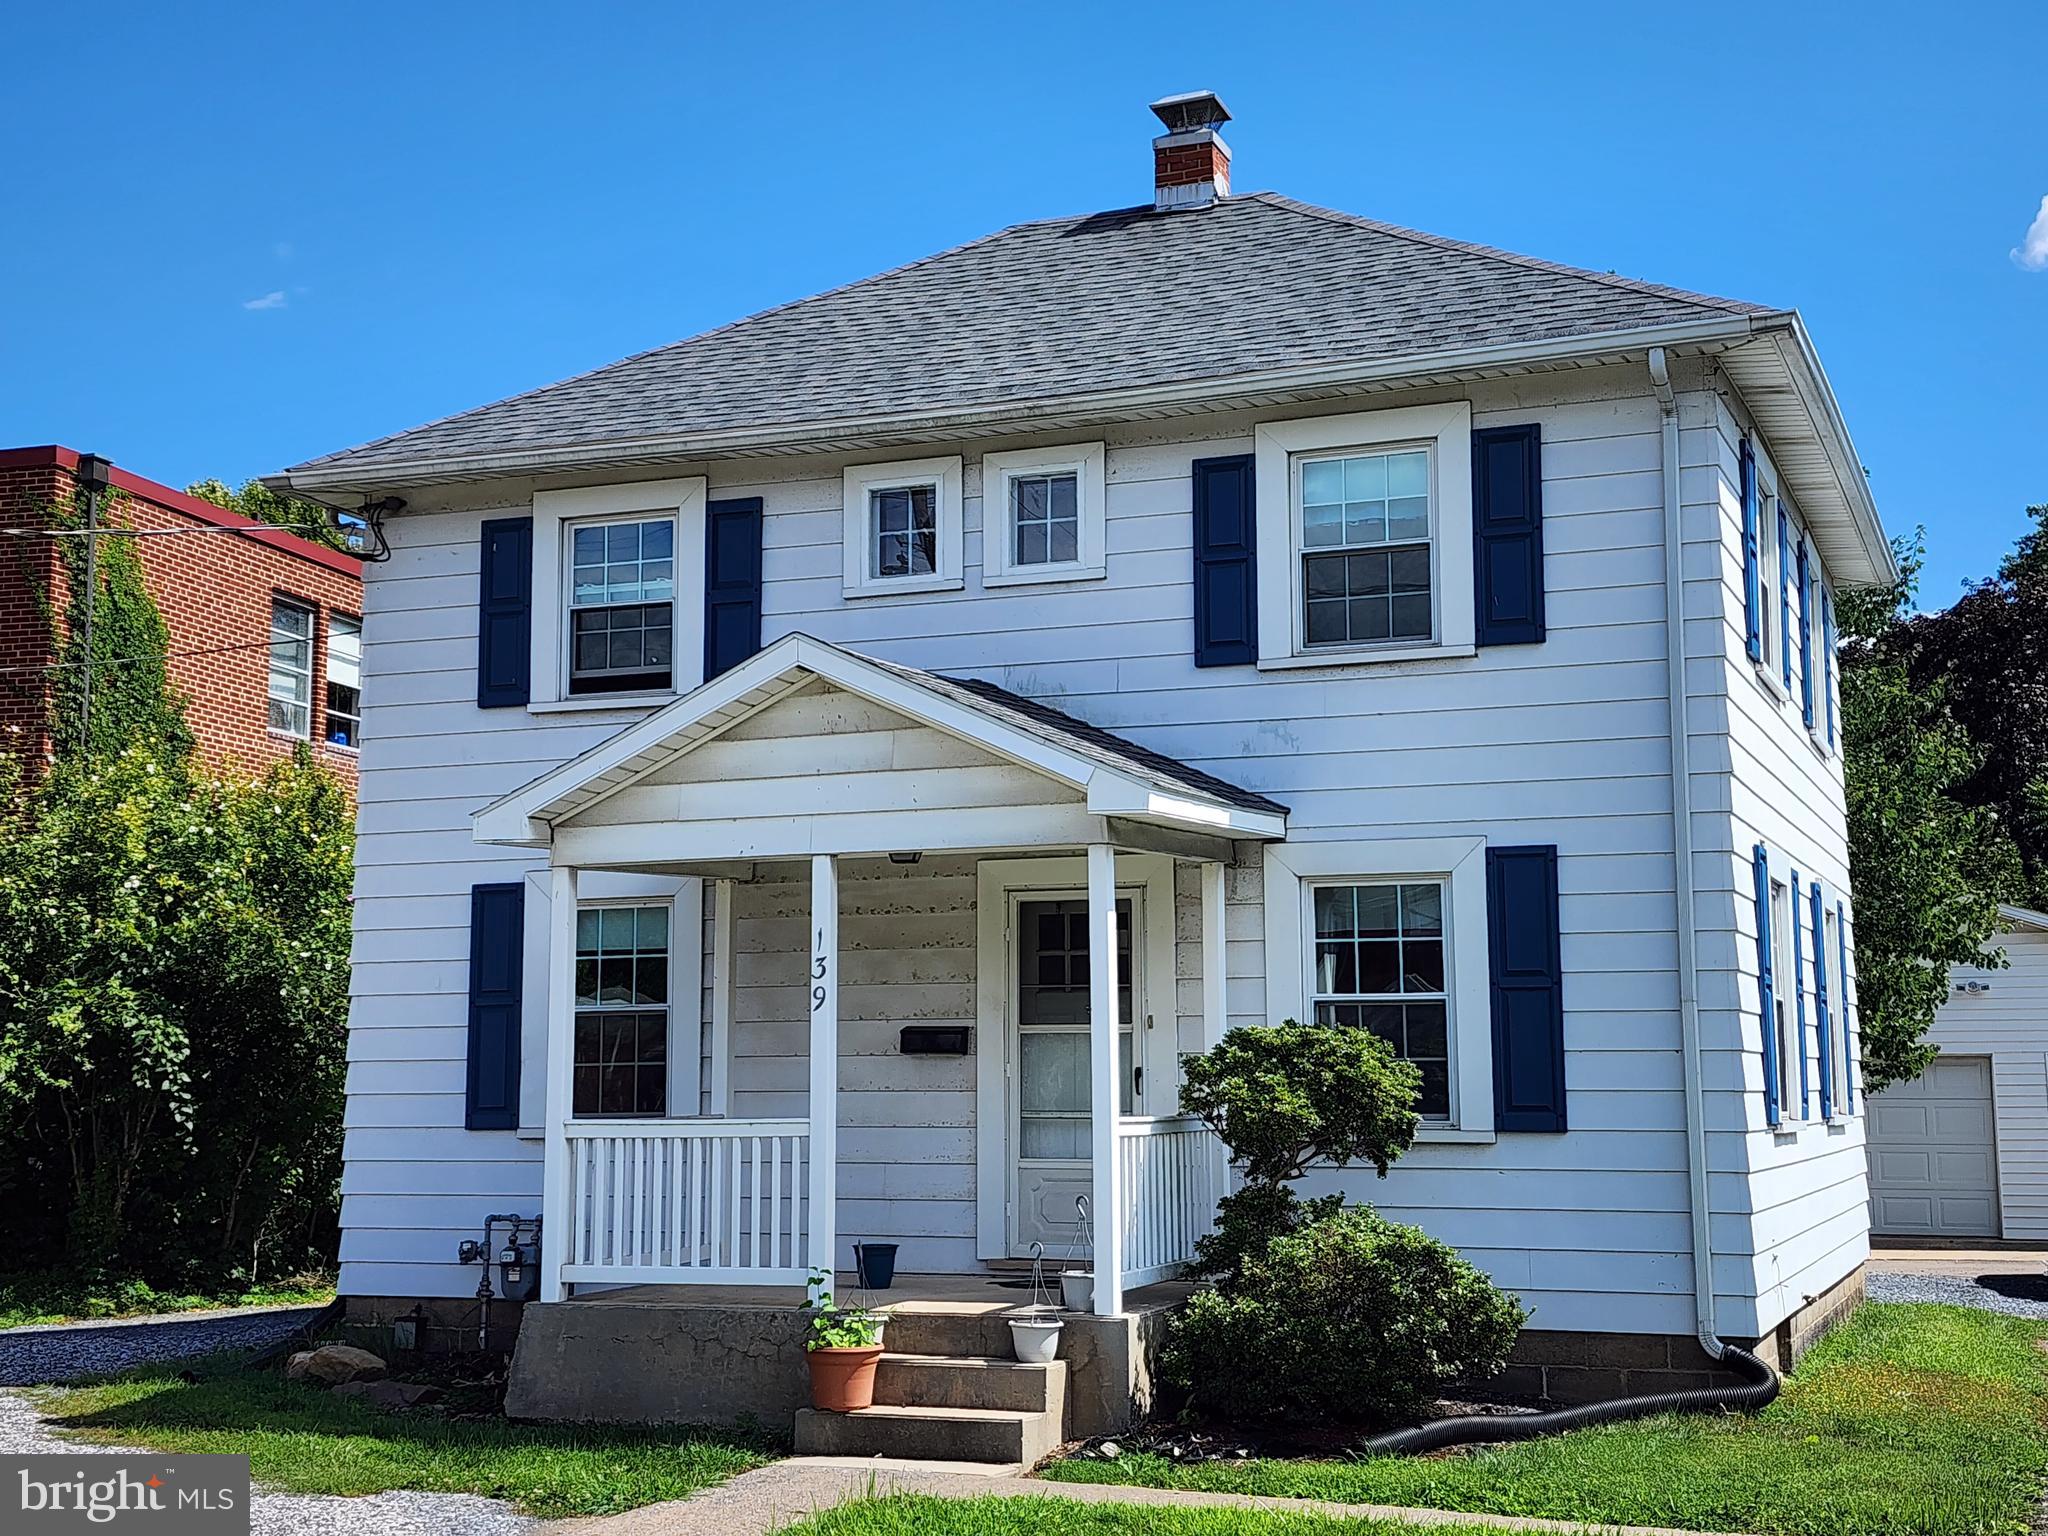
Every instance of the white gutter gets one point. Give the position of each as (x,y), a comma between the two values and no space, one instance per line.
(1681,859)
(1210,393)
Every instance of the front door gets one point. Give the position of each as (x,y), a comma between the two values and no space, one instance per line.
(1050,1103)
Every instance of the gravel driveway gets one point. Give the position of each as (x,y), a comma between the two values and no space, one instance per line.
(2014,1295)
(63,1351)
(57,1352)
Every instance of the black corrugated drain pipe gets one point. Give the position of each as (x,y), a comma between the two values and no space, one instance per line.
(1486,1428)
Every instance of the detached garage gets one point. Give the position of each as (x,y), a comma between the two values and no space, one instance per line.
(1962,1150)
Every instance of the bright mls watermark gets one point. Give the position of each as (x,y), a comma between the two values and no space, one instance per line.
(162,1495)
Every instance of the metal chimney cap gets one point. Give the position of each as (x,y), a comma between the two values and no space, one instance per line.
(1191,111)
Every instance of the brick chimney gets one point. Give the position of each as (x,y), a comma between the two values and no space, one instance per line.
(1190,161)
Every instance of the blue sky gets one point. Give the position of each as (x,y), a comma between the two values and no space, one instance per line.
(239,235)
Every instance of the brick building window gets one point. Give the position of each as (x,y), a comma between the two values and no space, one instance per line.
(345,681)
(291,668)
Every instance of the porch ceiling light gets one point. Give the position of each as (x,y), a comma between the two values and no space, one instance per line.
(910,856)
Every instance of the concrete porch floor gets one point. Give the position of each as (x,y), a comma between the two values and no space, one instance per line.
(997,1290)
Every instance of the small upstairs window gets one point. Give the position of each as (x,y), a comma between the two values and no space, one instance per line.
(1043,515)
(903,531)
(621,606)
(291,668)
(345,681)
(902,527)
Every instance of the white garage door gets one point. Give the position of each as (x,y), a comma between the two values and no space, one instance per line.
(1933,1158)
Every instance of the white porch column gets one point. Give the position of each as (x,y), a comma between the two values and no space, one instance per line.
(559,1231)
(1215,1012)
(1103,1073)
(824,1236)
(1215,973)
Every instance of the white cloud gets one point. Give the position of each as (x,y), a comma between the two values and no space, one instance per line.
(2032,251)
(272,300)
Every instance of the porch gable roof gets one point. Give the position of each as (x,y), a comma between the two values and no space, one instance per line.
(1117,777)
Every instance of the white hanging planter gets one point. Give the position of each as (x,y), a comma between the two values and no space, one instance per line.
(1077,1290)
(1035,1336)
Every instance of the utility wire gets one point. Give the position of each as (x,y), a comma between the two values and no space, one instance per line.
(131,661)
(152,533)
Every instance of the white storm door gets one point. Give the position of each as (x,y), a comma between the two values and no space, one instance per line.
(1050,1107)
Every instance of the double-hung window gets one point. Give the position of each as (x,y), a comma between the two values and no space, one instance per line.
(1366,556)
(621,1058)
(1792,978)
(903,531)
(1378,964)
(345,681)
(291,668)
(1367,553)
(622,587)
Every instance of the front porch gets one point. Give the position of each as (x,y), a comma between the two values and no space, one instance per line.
(906,1086)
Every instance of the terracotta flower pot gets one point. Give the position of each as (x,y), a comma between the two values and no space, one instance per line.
(843,1379)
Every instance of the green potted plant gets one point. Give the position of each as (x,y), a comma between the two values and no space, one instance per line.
(842,1346)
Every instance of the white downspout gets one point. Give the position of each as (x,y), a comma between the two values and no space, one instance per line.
(1681,858)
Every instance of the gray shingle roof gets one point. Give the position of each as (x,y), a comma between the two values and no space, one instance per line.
(1068,307)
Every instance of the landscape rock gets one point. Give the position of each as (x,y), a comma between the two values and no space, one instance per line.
(333,1364)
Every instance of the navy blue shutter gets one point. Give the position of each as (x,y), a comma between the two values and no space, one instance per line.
(1806,632)
(1507,534)
(732,583)
(1851,1068)
(1820,1007)
(1761,863)
(497,943)
(1784,599)
(1799,1011)
(504,635)
(1226,562)
(1827,659)
(1751,574)
(1527,985)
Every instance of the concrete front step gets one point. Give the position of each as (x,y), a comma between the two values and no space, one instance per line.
(983,1335)
(929,1434)
(940,1381)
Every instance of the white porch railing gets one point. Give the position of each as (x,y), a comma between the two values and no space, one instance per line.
(1167,1185)
(688,1201)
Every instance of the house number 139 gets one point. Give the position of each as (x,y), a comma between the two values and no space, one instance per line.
(819,967)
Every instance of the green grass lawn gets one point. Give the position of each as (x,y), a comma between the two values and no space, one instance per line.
(919,1515)
(45,1298)
(1907,1419)
(305,1440)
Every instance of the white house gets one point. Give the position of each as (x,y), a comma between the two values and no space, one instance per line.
(764,736)
(1962,1150)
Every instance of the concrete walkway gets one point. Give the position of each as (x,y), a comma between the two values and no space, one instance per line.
(1987,1258)
(760,1502)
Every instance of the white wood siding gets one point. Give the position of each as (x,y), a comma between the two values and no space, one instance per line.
(1561,743)
(1769,780)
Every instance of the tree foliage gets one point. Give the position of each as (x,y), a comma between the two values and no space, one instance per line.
(173,1004)
(173,975)
(255,500)
(1928,865)
(1986,656)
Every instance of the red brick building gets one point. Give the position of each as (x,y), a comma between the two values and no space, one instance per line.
(266,627)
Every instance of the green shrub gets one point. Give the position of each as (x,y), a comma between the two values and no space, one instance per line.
(1250,1219)
(1285,1096)
(1349,1317)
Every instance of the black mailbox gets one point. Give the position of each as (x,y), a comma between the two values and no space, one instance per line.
(934,1040)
